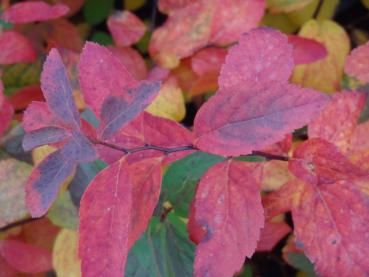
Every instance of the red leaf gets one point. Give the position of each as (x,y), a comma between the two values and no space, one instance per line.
(32,11)
(271,234)
(114,213)
(126,28)
(15,48)
(58,92)
(306,50)
(117,111)
(44,183)
(273,110)
(6,115)
(202,23)
(25,257)
(331,223)
(208,60)
(101,74)
(62,34)
(261,56)
(131,59)
(37,116)
(319,162)
(23,97)
(357,63)
(228,206)
(337,122)
(169,6)
(258,82)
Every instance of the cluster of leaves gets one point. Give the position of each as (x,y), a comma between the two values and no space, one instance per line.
(152,197)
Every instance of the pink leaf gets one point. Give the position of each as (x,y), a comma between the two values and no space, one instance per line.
(102,74)
(337,122)
(261,56)
(271,234)
(15,48)
(228,206)
(115,211)
(306,50)
(357,63)
(126,28)
(25,257)
(32,11)
(37,116)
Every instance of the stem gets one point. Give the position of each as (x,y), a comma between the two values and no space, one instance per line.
(270,156)
(178,149)
(317,10)
(18,223)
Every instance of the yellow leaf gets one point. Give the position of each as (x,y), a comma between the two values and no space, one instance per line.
(279,21)
(326,11)
(133,4)
(365,3)
(274,175)
(65,256)
(276,6)
(324,75)
(170,102)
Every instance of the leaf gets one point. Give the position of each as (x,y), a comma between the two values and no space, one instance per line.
(122,207)
(28,12)
(13,177)
(326,74)
(337,122)
(100,75)
(169,6)
(295,257)
(44,183)
(6,115)
(274,175)
(65,257)
(238,131)
(272,104)
(170,102)
(96,11)
(276,6)
(201,23)
(317,161)
(230,236)
(117,111)
(163,250)
(271,234)
(23,97)
(357,63)
(131,59)
(15,48)
(74,5)
(181,178)
(58,92)
(25,257)
(261,56)
(18,75)
(79,149)
(331,223)
(306,50)
(43,136)
(63,213)
(208,60)
(126,28)
(133,4)
(37,116)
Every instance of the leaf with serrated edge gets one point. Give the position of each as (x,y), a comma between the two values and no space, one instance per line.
(230,235)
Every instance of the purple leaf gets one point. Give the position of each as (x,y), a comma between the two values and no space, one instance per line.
(43,136)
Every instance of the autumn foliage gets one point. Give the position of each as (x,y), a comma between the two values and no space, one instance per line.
(182,148)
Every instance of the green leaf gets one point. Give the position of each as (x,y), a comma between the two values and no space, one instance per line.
(163,250)
(301,262)
(63,213)
(18,75)
(180,180)
(102,38)
(96,11)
